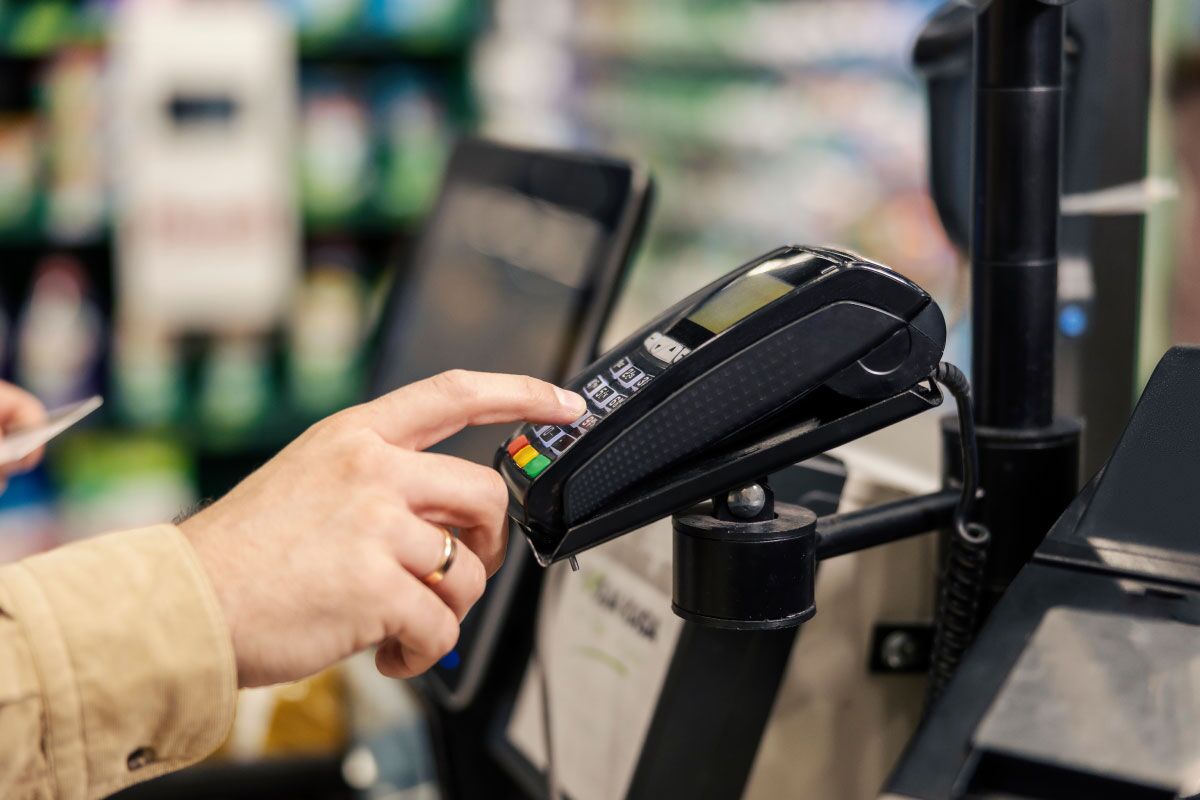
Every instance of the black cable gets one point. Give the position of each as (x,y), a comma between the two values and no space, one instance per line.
(541,662)
(956,382)
(961,585)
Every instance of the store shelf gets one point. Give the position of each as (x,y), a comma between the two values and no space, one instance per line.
(25,238)
(46,37)
(381,51)
(366,226)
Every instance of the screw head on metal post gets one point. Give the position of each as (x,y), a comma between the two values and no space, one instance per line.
(747,502)
(898,650)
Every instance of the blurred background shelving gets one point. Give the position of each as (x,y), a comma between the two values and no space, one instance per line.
(764,122)
(383,88)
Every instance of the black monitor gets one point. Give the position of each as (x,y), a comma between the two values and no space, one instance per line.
(515,271)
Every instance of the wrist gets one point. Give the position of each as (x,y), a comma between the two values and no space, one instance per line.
(208,557)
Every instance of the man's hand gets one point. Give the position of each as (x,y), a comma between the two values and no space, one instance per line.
(320,553)
(19,409)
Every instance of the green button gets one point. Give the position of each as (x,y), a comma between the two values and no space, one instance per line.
(536,465)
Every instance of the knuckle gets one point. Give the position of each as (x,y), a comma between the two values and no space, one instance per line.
(359,455)
(316,431)
(360,461)
(377,578)
(447,634)
(487,486)
(458,384)
(452,382)
(496,489)
(375,516)
(476,581)
(335,422)
(536,391)
(403,466)
(332,431)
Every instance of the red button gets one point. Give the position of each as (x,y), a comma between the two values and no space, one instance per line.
(516,444)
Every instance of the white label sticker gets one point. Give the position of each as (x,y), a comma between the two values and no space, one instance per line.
(607,643)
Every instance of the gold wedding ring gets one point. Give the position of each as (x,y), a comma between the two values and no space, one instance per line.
(449,550)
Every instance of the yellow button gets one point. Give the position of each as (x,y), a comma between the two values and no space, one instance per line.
(525,455)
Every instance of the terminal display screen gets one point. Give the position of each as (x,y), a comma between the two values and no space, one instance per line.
(514,272)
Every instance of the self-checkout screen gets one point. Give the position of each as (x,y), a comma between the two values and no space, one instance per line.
(515,272)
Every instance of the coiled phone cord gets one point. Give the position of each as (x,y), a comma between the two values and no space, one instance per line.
(961,585)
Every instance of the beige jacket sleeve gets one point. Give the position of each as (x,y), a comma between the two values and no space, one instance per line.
(115,666)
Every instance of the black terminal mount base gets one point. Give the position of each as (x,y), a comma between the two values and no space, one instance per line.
(758,572)
(745,574)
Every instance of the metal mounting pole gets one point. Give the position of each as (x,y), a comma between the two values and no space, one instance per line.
(1029,460)
(1014,239)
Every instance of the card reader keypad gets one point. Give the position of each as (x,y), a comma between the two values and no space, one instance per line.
(605,392)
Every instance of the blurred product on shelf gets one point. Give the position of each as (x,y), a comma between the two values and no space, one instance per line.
(207,235)
(309,717)
(59,334)
(108,481)
(392,755)
(18,168)
(325,335)
(147,377)
(413,138)
(35,26)
(371,152)
(235,392)
(418,23)
(349,709)
(335,149)
(428,21)
(73,99)
(324,19)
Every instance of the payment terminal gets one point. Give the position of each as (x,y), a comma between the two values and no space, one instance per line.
(793,353)
(515,271)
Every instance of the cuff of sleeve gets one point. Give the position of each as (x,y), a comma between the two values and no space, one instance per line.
(133,655)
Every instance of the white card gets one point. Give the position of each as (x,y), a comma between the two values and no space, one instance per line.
(20,442)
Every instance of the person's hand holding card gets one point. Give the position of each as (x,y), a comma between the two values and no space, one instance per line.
(22,445)
(19,409)
(26,426)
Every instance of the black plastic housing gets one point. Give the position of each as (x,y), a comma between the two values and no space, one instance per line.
(795,352)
